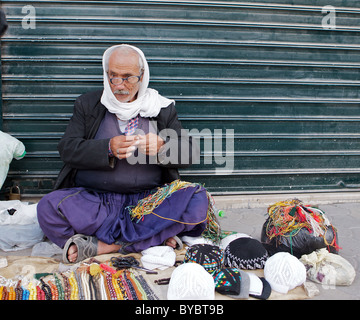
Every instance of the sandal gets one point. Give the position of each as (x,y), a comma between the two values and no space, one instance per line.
(86,246)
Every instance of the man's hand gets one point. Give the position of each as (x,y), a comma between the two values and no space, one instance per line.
(123,147)
(150,144)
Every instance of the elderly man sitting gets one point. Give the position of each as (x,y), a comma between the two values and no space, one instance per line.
(123,145)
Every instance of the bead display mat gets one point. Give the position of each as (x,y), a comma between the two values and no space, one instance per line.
(27,266)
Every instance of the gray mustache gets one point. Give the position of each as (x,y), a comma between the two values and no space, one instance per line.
(121,92)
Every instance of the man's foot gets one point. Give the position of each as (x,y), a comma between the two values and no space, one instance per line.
(72,253)
(102,248)
(171,242)
(174,242)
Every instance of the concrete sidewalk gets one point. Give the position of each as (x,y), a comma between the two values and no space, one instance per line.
(344,216)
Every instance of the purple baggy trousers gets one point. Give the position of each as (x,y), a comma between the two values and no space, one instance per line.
(65,212)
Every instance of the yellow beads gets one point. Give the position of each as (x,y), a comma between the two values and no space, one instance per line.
(95,269)
(74,287)
(119,295)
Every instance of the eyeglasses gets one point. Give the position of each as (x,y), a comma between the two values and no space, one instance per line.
(131,80)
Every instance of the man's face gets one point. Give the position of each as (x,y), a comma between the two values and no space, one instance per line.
(123,65)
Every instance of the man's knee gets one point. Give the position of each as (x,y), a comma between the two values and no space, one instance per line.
(199,203)
(47,212)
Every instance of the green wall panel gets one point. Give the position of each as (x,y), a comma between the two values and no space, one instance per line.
(269,70)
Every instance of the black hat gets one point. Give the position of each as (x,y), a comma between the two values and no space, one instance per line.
(245,253)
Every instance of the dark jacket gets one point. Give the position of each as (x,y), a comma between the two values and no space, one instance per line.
(79,150)
(3,23)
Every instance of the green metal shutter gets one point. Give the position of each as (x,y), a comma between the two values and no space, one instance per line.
(287,86)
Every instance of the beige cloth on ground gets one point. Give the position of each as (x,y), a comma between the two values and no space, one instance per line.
(28,266)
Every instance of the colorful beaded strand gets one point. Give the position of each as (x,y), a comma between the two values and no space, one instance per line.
(26,294)
(138,288)
(18,291)
(110,287)
(149,292)
(5,295)
(126,286)
(122,287)
(117,289)
(46,289)
(59,287)
(67,289)
(32,290)
(12,295)
(74,295)
(130,286)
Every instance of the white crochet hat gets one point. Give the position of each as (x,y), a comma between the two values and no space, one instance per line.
(226,241)
(190,281)
(158,257)
(284,272)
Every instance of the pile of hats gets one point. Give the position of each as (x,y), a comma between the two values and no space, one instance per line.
(227,269)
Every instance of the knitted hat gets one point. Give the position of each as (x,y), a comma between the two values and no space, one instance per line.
(190,241)
(232,282)
(158,257)
(225,241)
(284,272)
(244,286)
(239,284)
(190,281)
(209,256)
(259,287)
(227,281)
(245,253)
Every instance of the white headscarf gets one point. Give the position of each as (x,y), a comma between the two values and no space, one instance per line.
(148,102)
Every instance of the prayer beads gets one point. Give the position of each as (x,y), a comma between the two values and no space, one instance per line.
(12,295)
(26,294)
(88,282)
(5,294)
(40,295)
(46,289)
(117,289)
(32,290)
(54,291)
(110,286)
(74,287)
(67,289)
(59,287)
(18,291)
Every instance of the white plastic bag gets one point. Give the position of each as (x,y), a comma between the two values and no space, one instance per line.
(10,148)
(328,268)
(46,249)
(19,227)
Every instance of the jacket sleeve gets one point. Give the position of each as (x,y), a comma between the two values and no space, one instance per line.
(76,149)
(180,149)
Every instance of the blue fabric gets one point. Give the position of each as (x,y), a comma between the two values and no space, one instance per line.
(63,213)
